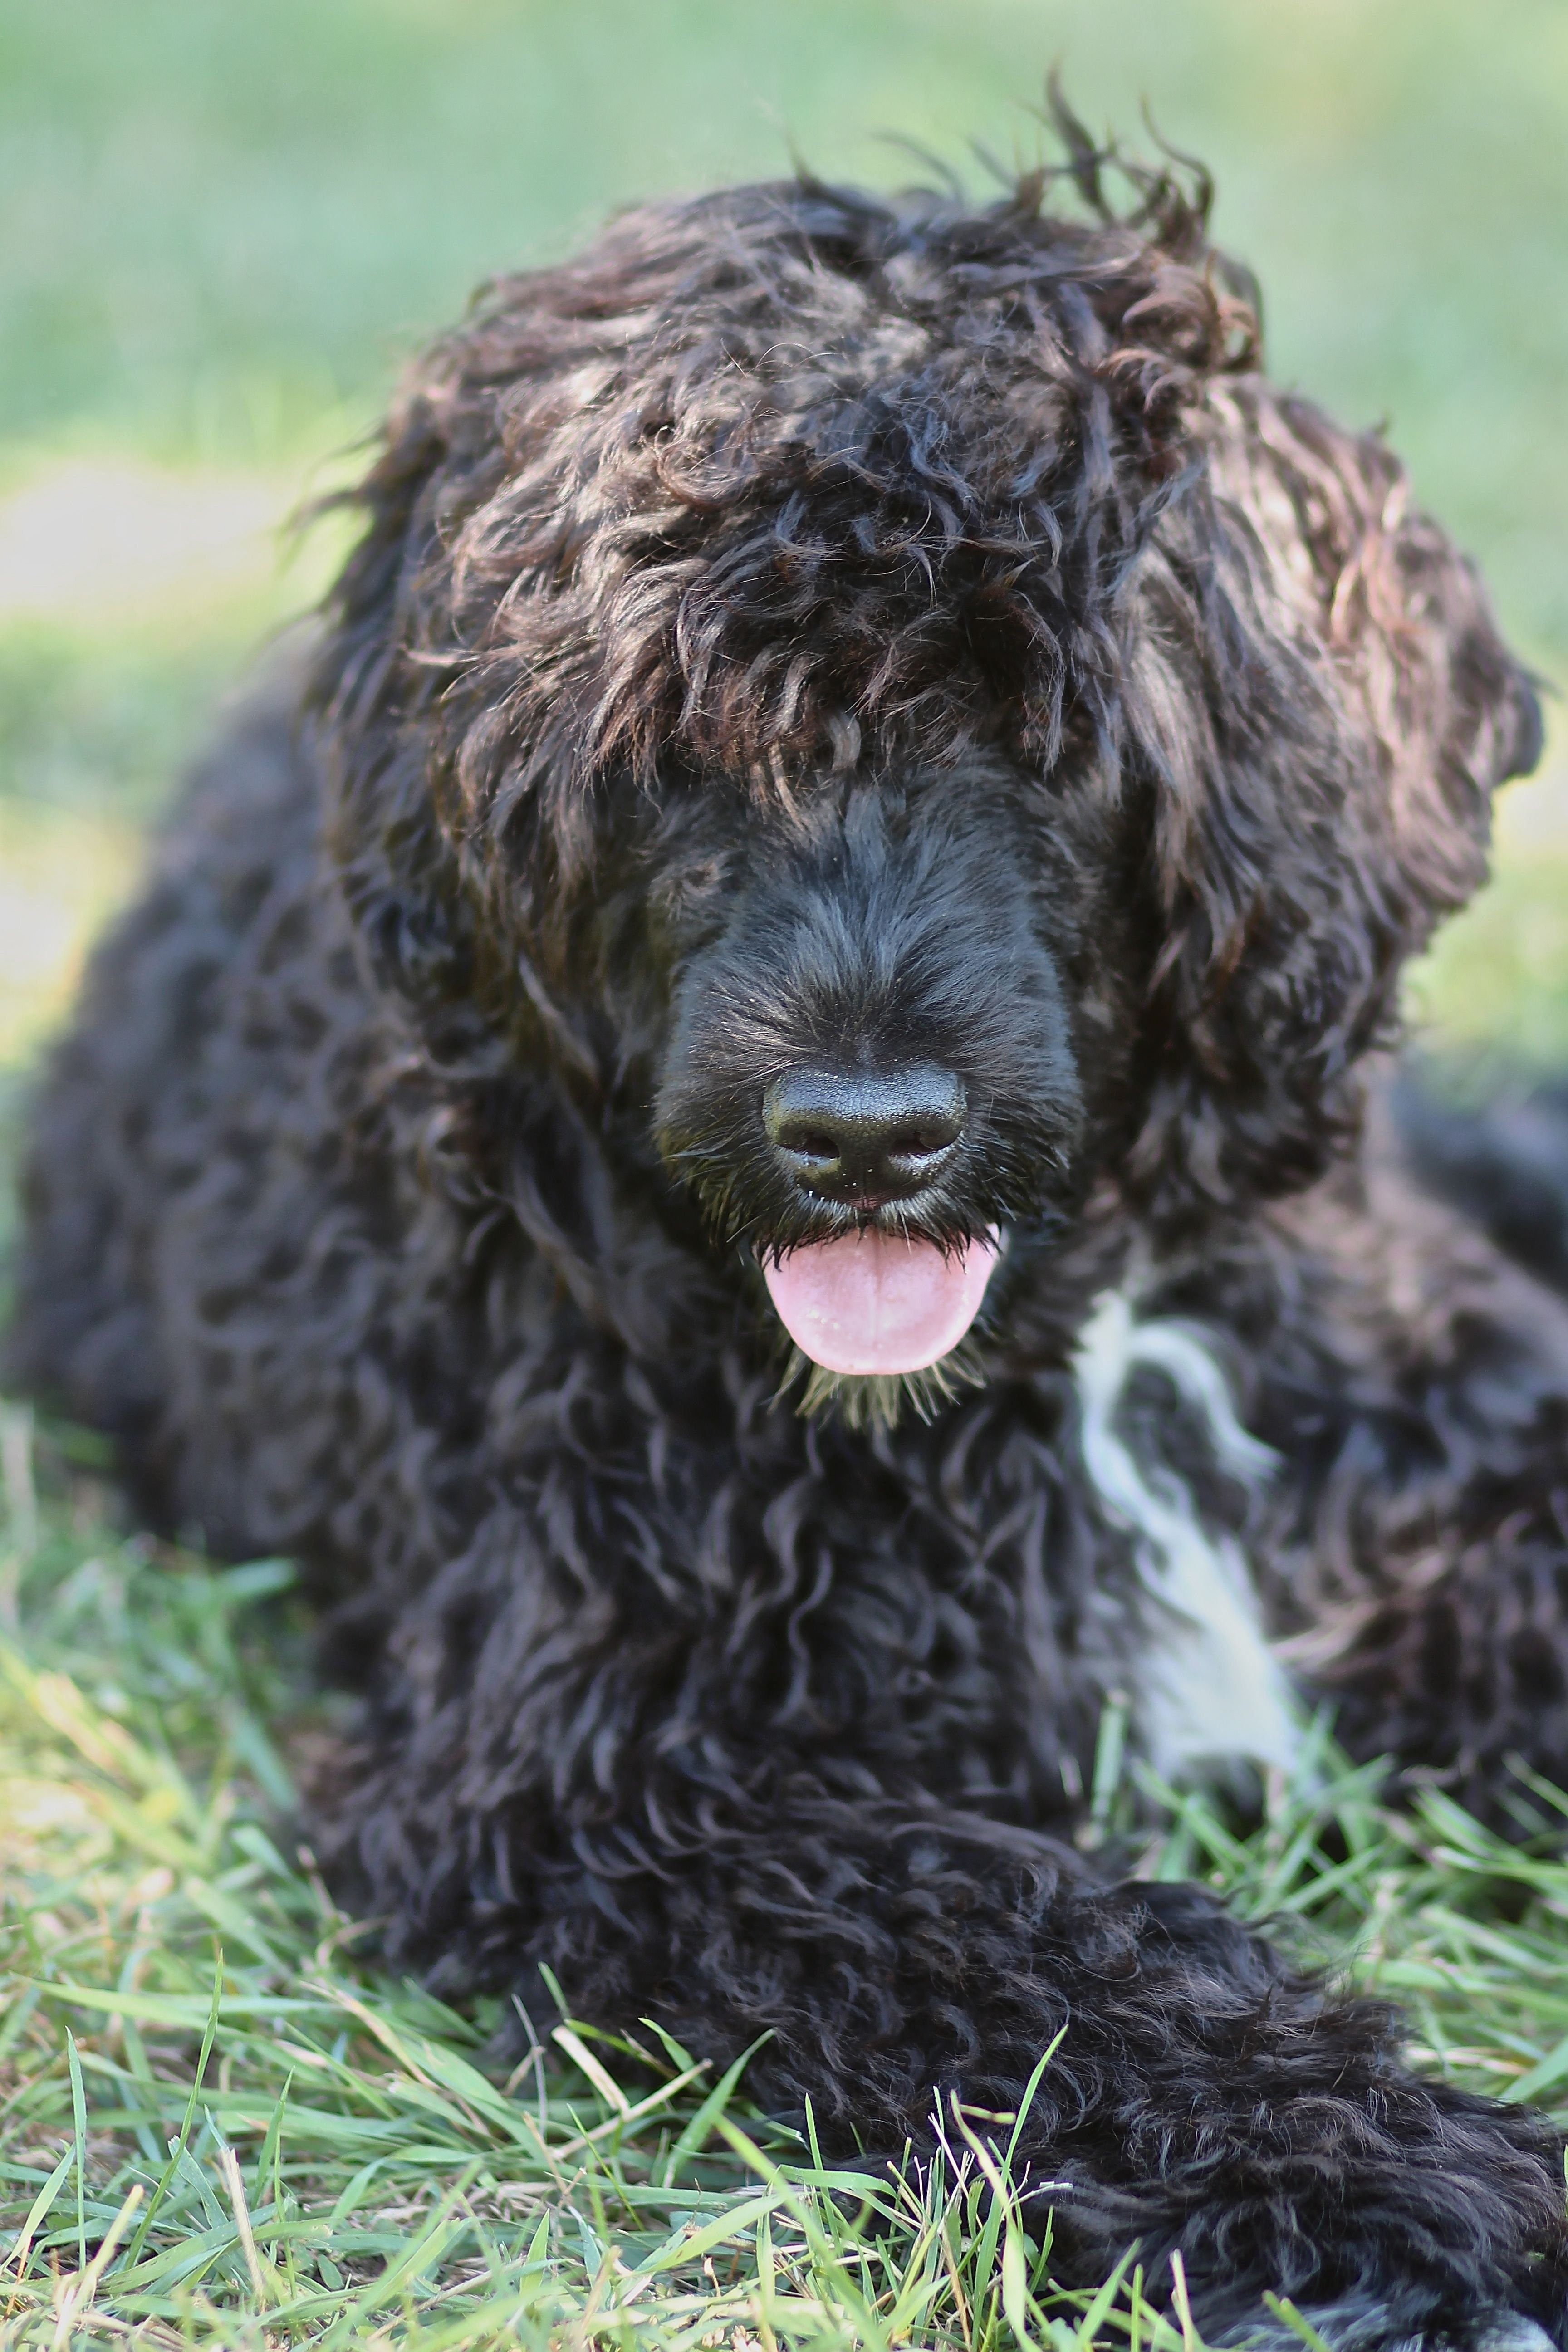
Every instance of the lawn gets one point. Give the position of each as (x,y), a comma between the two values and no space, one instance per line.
(222,226)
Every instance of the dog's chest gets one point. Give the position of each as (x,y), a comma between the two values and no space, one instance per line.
(1206,1689)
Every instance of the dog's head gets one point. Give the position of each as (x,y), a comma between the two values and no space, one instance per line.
(884,712)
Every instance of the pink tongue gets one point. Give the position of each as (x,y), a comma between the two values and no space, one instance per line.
(870,1303)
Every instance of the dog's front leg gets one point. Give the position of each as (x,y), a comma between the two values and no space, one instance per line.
(1204,2099)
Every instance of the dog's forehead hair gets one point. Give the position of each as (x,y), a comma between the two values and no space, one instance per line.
(775,472)
(725,834)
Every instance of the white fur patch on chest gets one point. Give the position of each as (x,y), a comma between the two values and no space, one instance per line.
(1210,1689)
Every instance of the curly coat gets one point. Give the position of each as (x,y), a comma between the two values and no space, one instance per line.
(808,623)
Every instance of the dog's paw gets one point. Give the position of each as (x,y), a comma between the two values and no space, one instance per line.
(1511,2333)
(1358,2326)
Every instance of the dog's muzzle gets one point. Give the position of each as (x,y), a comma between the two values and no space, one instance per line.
(871,1301)
(870,1074)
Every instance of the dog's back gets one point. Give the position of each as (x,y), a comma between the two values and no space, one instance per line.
(1501,1158)
(135,1108)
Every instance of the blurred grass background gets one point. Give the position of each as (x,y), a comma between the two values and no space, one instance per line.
(222,226)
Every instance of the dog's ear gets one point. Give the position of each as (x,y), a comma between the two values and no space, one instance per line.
(374,697)
(410,750)
(1318,706)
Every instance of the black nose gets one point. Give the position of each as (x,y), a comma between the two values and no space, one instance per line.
(867,1137)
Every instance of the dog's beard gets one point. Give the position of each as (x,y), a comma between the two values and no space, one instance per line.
(881,1400)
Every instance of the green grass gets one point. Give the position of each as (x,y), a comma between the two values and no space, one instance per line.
(224,224)
(220,2125)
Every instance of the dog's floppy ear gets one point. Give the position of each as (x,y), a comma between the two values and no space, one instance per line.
(1318,706)
(412,749)
(374,697)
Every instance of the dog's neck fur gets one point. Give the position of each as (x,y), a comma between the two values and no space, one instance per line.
(1210,1689)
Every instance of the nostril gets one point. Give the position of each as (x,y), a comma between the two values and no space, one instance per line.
(810,1143)
(917,1142)
(855,1134)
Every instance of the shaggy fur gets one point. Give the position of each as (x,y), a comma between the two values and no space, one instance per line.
(807,627)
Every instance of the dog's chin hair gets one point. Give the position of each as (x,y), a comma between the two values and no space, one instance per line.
(881,1400)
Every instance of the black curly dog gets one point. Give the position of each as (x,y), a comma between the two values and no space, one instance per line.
(740,1118)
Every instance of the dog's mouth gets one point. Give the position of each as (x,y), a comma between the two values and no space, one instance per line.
(871,1302)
